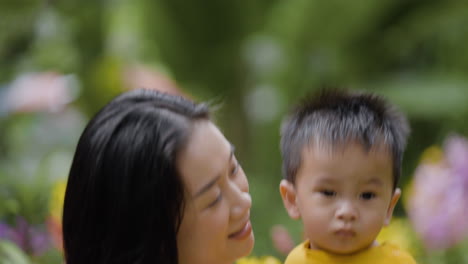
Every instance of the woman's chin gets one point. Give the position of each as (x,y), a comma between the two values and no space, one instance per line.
(245,247)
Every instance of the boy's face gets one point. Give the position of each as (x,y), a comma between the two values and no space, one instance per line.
(344,197)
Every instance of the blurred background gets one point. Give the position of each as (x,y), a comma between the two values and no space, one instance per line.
(60,61)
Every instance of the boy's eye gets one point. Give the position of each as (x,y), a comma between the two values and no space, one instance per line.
(367,195)
(328,193)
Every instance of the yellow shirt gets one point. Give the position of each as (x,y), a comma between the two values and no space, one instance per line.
(385,253)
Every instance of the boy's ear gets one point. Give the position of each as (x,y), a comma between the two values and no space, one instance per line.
(288,193)
(395,197)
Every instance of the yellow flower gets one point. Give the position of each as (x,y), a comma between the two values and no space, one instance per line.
(399,232)
(255,260)
(433,154)
(56,200)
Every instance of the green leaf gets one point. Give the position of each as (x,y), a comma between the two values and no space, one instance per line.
(428,97)
(11,254)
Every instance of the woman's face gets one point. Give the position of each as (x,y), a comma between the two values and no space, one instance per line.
(216,224)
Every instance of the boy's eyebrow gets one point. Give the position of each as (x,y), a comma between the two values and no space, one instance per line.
(326,181)
(212,182)
(375,181)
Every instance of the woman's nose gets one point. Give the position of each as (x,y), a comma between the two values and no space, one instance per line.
(241,201)
(347,211)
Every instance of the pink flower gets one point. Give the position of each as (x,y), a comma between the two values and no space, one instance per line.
(140,76)
(55,231)
(282,240)
(35,92)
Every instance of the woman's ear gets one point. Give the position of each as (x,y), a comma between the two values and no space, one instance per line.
(395,197)
(289,195)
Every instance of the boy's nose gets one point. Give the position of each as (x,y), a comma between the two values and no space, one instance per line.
(347,212)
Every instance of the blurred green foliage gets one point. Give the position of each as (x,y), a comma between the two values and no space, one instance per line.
(256,57)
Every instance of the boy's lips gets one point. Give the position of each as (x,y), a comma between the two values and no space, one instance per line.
(242,233)
(345,232)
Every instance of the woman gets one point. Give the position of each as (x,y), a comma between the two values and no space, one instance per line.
(153,180)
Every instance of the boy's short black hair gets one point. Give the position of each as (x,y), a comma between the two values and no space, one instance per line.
(335,117)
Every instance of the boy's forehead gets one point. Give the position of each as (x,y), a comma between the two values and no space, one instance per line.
(344,156)
(350,164)
(325,147)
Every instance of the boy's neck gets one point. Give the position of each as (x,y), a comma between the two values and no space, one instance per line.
(372,245)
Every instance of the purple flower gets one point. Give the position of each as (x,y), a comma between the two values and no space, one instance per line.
(30,239)
(438,203)
(456,149)
(5,231)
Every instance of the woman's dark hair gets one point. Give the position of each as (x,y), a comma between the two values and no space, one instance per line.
(125,198)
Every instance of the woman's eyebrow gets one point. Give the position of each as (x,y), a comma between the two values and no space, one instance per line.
(207,186)
(233,149)
(211,183)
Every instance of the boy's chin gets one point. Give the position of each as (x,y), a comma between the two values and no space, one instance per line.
(351,250)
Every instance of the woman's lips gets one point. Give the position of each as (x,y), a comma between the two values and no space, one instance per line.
(243,233)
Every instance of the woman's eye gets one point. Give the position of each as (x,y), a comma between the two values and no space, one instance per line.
(328,193)
(235,168)
(367,195)
(214,202)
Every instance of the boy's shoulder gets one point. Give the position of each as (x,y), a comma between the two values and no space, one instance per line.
(386,253)
(392,253)
(298,255)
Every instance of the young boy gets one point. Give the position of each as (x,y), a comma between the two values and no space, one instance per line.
(342,155)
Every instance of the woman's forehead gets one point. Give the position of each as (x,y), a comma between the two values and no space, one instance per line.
(205,156)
